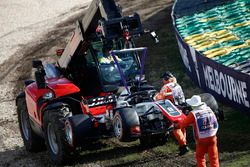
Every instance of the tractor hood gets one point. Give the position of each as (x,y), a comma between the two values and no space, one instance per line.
(62,86)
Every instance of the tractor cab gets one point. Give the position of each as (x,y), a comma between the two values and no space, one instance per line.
(112,62)
(104,69)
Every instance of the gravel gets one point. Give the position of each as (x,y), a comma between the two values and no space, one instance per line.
(24,21)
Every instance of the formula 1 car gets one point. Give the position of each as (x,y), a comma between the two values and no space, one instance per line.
(82,98)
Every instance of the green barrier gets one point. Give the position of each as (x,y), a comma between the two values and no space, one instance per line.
(236,60)
(221,33)
(237,56)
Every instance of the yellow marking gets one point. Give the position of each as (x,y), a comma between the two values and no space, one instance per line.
(192,36)
(206,40)
(238,25)
(231,38)
(225,50)
(207,19)
(215,33)
(211,39)
(206,46)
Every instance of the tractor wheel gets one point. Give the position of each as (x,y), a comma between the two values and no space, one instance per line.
(32,142)
(123,121)
(59,150)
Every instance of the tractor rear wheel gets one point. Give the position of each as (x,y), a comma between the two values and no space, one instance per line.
(32,142)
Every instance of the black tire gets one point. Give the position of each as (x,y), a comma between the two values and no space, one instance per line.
(210,101)
(59,150)
(32,142)
(123,121)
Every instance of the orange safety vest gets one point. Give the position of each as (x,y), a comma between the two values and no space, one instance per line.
(172,92)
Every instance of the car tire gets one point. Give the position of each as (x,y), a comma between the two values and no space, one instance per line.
(32,142)
(210,101)
(123,121)
(59,150)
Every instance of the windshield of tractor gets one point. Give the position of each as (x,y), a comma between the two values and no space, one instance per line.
(128,63)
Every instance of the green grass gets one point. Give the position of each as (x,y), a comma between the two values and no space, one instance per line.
(110,152)
(242,160)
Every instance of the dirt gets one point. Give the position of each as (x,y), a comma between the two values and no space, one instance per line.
(16,67)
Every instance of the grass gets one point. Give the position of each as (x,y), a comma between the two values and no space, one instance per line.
(242,160)
(115,153)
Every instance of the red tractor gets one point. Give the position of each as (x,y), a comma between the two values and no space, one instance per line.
(88,95)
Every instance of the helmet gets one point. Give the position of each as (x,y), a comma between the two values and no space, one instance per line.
(167,75)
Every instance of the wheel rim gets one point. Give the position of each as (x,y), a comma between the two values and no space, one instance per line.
(52,139)
(118,127)
(24,124)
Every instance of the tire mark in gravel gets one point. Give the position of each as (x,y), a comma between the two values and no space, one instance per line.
(42,21)
(36,49)
(160,159)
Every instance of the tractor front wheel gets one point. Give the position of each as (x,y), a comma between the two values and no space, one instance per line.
(59,150)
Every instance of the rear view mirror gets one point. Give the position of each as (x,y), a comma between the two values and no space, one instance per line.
(37,63)
(39,74)
(155,37)
(152,34)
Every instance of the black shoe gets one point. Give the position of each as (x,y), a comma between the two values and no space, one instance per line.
(183,150)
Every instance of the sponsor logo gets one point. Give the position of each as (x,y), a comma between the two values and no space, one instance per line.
(225,85)
(101,100)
